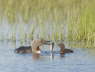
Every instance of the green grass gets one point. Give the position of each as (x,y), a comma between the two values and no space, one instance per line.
(77,15)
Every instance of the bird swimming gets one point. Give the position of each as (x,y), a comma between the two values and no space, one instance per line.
(63,50)
(34,47)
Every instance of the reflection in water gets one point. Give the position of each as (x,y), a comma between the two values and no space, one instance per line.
(61,55)
(35,56)
(79,61)
(52,55)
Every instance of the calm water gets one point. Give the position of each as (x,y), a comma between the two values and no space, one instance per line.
(82,60)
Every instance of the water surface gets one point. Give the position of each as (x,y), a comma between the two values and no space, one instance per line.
(82,60)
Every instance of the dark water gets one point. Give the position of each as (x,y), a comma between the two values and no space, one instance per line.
(82,60)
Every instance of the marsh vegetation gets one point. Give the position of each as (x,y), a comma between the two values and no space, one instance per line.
(69,20)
